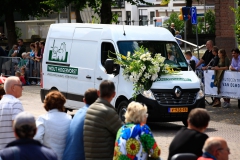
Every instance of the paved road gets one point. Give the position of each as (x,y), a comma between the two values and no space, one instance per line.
(225,122)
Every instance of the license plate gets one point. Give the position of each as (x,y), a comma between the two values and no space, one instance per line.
(178,110)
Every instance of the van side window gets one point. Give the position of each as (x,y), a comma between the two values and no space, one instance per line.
(106,49)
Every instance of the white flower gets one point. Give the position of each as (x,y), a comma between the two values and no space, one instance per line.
(147,75)
(154,77)
(131,78)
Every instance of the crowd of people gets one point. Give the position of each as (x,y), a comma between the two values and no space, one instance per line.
(216,59)
(22,63)
(95,131)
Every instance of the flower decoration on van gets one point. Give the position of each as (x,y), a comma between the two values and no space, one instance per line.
(142,68)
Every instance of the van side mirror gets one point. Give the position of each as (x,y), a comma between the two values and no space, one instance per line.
(193,64)
(111,68)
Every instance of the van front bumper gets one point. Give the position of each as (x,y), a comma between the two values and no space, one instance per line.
(161,113)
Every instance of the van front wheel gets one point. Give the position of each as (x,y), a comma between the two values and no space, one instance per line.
(122,108)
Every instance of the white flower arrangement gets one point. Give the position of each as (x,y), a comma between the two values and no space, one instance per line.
(142,69)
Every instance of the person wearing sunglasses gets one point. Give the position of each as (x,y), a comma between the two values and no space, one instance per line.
(10,106)
(215,148)
(135,138)
(21,48)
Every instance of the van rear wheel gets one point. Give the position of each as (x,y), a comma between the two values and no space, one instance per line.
(122,109)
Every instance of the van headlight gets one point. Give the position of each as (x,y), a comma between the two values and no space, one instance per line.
(200,94)
(148,94)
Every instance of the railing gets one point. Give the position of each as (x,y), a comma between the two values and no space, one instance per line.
(10,65)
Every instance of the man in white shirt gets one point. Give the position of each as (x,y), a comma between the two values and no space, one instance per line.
(190,57)
(10,106)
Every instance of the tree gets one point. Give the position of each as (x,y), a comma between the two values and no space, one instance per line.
(104,7)
(177,23)
(24,8)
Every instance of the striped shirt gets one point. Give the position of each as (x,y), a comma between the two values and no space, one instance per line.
(9,108)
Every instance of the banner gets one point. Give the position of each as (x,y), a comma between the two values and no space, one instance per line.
(230,85)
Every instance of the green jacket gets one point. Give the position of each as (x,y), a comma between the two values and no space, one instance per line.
(220,73)
(100,129)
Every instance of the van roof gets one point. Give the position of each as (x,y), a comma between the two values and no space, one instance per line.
(116,32)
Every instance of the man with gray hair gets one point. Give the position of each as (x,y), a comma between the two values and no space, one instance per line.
(25,147)
(215,148)
(10,106)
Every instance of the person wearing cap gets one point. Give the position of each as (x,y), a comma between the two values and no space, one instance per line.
(235,65)
(10,106)
(25,147)
(54,125)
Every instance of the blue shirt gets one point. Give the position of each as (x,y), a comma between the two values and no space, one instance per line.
(236,63)
(74,143)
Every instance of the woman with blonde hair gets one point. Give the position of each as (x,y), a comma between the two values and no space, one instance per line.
(52,128)
(134,139)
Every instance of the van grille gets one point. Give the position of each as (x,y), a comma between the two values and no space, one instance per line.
(169,98)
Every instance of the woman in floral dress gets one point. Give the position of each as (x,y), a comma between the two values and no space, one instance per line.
(134,139)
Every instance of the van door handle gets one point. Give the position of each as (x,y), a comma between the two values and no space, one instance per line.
(89,77)
(99,78)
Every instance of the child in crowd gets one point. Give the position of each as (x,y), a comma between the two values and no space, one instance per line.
(21,77)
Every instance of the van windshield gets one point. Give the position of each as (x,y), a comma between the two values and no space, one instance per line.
(169,50)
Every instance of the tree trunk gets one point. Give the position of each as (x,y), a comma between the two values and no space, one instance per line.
(77,13)
(106,13)
(10,25)
(189,23)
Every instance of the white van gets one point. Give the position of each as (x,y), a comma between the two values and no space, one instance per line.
(74,60)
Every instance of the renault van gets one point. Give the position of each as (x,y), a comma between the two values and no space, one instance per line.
(75,56)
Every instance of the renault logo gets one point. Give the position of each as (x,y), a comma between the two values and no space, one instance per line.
(177,92)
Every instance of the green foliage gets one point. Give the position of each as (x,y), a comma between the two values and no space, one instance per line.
(18,32)
(26,8)
(115,18)
(237,22)
(179,25)
(210,19)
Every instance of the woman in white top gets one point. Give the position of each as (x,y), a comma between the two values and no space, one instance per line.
(53,126)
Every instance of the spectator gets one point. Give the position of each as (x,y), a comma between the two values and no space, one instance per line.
(192,138)
(42,46)
(207,57)
(37,63)
(74,149)
(2,52)
(2,92)
(24,61)
(190,57)
(18,74)
(171,57)
(31,58)
(172,29)
(53,126)
(215,148)
(10,106)
(25,147)
(214,62)
(223,65)
(180,37)
(21,48)
(6,63)
(135,133)
(215,59)
(235,65)
(101,124)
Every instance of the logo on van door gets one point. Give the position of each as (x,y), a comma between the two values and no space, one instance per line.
(58,53)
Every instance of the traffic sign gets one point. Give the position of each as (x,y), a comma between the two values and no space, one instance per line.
(194,15)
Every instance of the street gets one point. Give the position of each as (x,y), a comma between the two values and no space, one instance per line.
(225,122)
